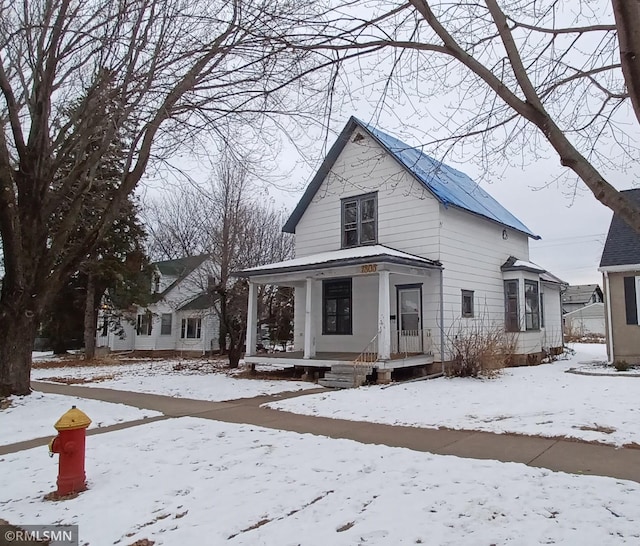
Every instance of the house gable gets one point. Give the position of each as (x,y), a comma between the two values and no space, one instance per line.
(407,216)
(448,185)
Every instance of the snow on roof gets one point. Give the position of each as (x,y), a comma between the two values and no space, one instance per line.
(343,255)
(514,263)
(550,277)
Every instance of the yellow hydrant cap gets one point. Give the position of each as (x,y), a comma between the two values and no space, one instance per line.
(72,420)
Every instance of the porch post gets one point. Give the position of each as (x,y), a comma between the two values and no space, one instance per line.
(309,330)
(384,317)
(252,320)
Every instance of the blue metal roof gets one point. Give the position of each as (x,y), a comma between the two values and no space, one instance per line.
(448,185)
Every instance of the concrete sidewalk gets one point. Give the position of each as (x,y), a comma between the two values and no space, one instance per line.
(555,454)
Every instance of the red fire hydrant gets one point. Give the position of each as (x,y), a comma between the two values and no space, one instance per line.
(70,443)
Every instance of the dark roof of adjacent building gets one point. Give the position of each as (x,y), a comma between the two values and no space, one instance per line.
(580,293)
(448,185)
(180,266)
(203,301)
(623,242)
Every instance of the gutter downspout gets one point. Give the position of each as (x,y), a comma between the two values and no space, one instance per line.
(442,318)
(607,292)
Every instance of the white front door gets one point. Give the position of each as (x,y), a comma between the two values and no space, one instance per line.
(409,320)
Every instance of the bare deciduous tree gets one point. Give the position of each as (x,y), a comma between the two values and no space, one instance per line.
(519,76)
(177,224)
(75,76)
(236,229)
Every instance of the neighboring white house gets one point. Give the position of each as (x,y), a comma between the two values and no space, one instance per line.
(182,317)
(396,254)
(587,320)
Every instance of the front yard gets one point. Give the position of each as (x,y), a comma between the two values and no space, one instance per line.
(199,379)
(542,400)
(194,481)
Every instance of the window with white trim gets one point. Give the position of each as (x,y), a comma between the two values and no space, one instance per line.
(467,303)
(360,220)
(144,324)
(531,305)
(336,307)
(511,308)
(165,324)
(191,328)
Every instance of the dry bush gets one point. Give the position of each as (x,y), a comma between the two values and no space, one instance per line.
(480,349)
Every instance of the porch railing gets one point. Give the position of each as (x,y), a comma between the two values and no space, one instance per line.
(406,342)
(369,354)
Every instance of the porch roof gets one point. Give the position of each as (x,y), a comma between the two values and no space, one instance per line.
(344,257)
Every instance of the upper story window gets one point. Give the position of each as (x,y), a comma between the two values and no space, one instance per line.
(360,220)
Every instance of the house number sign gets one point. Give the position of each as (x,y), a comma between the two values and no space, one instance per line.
(369,268)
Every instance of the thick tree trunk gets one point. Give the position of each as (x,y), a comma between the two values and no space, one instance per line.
(17,335)
(235,353)
(90,319)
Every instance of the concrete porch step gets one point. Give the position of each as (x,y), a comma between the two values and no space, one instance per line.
(345,376)
(336,383)
(350,368)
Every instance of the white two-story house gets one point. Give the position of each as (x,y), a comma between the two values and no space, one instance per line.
(182,317)
(396,254)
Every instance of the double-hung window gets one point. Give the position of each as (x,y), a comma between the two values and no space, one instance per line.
(143,327)
(360,220)
(531,305)
(336,307)
(511,310)
(191,328)
(165,324)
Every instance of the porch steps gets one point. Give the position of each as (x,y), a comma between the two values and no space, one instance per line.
(346,376)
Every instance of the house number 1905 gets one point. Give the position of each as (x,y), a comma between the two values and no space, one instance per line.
(369,268)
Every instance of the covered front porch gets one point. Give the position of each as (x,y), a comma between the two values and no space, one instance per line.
(371,306)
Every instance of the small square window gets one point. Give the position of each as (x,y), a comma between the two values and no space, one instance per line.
(467,303)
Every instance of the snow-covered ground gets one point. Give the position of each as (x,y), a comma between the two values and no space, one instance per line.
(200,380)
(192,481)
(541,400)
(33,416)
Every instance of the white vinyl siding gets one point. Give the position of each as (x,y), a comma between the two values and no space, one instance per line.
(407,213)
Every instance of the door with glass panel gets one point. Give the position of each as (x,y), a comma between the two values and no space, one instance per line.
(409,320)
